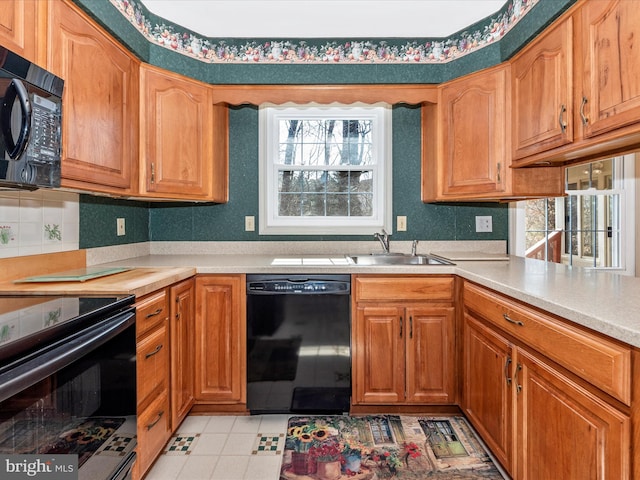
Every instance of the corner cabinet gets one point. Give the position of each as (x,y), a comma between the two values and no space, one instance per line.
(465,144)
(403,340)
(184,138)
(586,64)
(221,338)
(551,400)
(99,127)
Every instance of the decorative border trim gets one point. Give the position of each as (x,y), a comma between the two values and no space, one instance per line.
(322,51)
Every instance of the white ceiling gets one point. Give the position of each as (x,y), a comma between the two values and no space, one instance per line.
(324,18)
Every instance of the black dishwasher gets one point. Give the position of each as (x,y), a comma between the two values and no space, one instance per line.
(298,344)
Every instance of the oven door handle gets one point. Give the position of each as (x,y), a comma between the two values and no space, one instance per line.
(37,367)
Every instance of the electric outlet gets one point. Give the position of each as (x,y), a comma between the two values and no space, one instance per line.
(401,223)
(249,223)
(120,230)
(484,224)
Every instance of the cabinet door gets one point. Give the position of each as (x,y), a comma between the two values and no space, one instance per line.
(18,27)
(182,324)
(430,366)
(176,133)
(474,153)
(487,392)
(564,431)
(379,358)
(542,83)
(610,64)
(220,339)
(99,126)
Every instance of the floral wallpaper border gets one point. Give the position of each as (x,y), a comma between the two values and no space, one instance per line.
(324,51)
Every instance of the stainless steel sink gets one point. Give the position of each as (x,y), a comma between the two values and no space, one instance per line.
(396,259)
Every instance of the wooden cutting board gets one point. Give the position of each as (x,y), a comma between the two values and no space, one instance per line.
(77,275)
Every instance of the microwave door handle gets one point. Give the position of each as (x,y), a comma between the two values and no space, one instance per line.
(16,89)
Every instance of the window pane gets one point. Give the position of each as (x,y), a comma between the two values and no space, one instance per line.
(290,181)
(361,205)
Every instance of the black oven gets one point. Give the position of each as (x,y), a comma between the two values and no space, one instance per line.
(68,382)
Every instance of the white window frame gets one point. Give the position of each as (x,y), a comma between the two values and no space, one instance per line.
(625,187)
(270,223)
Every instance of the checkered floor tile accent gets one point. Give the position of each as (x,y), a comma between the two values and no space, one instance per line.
(268,444)
(182,444)
(117,446)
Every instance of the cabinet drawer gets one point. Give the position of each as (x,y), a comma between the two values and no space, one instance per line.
(150,311)
(153,431)
(604,363)
(152,357)
(371,288)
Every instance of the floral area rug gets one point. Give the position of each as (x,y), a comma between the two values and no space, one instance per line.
(84,439)
(384,447)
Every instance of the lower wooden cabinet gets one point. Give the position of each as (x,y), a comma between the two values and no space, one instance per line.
(540,417)
(153,378)
(164,361)
(220,349)
(403,340)
(182,322)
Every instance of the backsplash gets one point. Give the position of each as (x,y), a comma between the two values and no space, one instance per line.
(40,221)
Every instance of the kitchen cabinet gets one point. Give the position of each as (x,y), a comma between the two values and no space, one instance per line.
(543,118)
(403,342)
(220,349)
(153,378)
(548,398)
(19,28)
(487,399)
(182,330)
(587,67)
(184,149)
(99,124)
(466,138)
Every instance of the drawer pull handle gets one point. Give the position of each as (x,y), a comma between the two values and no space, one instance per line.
(151,354)
(511,320)
(153,314)
(515,379)
(411,326)
(400,327)
(506,371)
(153,424)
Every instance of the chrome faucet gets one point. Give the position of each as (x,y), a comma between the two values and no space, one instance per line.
(383,239)
(414,248)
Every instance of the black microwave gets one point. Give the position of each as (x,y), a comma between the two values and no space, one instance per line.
(30,124)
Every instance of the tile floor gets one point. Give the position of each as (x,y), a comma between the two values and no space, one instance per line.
(224,448)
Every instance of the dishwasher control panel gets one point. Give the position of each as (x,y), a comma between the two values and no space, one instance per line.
(298,284)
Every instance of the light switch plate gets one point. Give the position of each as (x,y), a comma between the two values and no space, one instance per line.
(120,230)
(249,223)
(401,223)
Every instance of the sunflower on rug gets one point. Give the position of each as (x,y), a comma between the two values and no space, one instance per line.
(383,447)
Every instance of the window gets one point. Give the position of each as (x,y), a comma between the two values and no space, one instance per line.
(325,169)
(593,226)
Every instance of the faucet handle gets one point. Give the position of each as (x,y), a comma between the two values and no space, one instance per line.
(414,248)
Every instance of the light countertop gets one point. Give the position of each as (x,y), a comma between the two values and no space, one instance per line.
(605,302)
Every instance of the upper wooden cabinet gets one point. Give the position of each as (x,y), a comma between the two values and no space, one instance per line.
(541,78)
(465,144)
(609,65)
(184,135)
(99,129)
(577,86)
(19,27)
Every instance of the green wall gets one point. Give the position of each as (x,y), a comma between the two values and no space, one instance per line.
(204,222)
(225,222)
